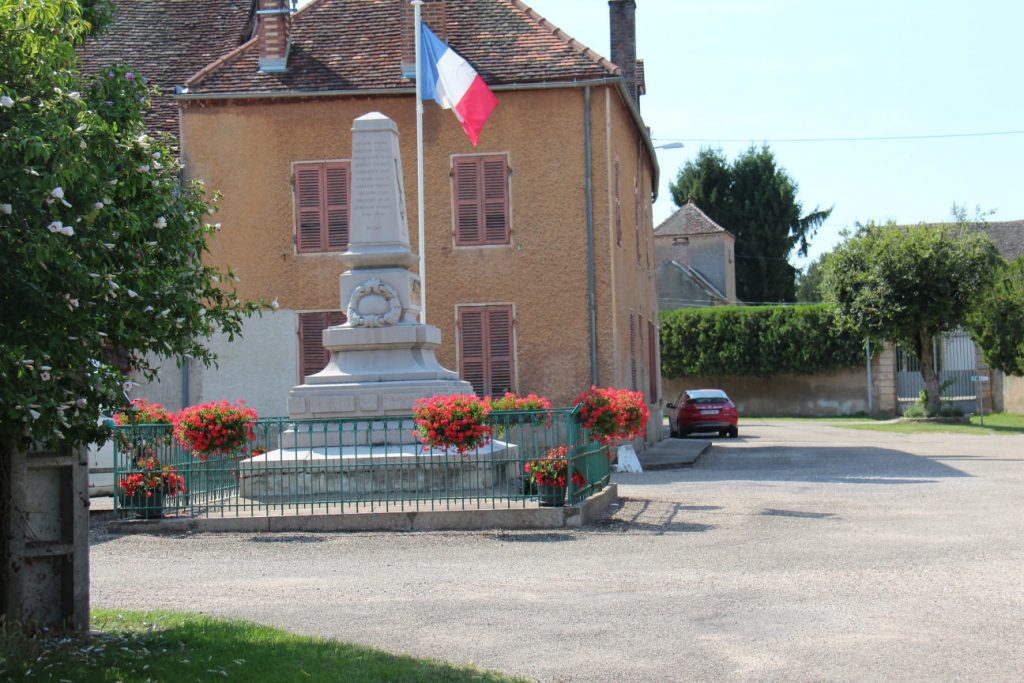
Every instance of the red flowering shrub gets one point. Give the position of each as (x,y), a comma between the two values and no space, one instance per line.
(214,428)
(613,414)
(551,469)
(512,402)
(154,478)
(454,421)
(140,441)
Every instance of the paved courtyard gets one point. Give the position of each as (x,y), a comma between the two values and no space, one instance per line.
(797,552)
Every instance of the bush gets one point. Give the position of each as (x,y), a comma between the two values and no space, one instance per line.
(757,341)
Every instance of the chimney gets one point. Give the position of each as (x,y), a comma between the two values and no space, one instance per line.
(273,18)
(622,18)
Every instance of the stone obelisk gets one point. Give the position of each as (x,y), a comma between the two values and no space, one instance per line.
(382,358)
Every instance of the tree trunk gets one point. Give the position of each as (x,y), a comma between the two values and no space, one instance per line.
(931,379)
(44,534)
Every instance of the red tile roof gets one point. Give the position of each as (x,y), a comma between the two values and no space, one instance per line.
(340,45)
(167,41)
(689,220)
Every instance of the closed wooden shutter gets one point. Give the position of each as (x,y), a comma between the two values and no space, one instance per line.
(481,200)
(322,198)
(618,203)
(336,176)
(632,350)
(486,349)
(313,356)
(652,361)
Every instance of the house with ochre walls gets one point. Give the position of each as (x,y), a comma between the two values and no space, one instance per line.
(539,241)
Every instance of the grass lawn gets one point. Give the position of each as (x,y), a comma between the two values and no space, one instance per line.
(996,423)
(173,646)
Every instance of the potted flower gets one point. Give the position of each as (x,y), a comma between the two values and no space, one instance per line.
(613,414)
(143,491)
(523,409)
(455,421)
(147,427)
(549,474)
(218,428)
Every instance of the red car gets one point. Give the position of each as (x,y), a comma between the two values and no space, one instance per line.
(703,410)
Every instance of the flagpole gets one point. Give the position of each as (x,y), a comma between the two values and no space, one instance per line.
(419,167)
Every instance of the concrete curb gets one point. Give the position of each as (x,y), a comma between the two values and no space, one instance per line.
(412,520)
(663,457)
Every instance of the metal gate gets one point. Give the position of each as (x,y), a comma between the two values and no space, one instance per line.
(955,361)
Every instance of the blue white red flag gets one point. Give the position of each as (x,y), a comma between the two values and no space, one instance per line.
(449,80)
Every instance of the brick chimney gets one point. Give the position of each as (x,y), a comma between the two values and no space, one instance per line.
(272,22)
(622,18)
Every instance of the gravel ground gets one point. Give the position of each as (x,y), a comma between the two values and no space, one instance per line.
(797,552)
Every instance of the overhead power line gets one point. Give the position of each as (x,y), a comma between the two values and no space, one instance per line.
(851,138)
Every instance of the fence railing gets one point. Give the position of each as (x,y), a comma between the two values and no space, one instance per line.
(351,465)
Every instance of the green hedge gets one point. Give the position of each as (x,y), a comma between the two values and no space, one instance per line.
(755,341)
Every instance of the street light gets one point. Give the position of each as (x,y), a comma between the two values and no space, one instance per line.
(671,145)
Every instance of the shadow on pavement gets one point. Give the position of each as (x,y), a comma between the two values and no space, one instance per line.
(772,512)
(646,516)
(840,465)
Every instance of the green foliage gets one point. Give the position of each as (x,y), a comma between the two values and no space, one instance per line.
(896,282)
(754,199)
(100,237)
(997,322)
(757,340)
(808,282)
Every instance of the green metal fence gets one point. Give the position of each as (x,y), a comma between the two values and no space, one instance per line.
(353,465)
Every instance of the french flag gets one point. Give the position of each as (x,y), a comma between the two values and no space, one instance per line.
(449,80)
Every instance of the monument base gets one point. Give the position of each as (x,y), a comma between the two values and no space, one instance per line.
(382,472)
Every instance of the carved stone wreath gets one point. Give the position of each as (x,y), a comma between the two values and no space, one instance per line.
(370,287)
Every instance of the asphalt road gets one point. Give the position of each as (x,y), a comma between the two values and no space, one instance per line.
(795,553)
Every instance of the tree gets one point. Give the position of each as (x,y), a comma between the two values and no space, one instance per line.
(907,284)
(808,281)
(755,199)
(997,323)
(101,239)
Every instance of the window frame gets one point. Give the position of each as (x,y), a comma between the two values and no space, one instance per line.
(328,318)
(324,208)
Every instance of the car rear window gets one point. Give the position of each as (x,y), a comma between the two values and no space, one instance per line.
(705,399)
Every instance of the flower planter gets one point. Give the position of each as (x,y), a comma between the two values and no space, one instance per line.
(141,506)
(550,496)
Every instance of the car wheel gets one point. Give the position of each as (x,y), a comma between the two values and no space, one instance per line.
(734,432)
(722,432)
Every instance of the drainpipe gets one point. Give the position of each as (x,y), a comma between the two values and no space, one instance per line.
(588,194)
(184,382)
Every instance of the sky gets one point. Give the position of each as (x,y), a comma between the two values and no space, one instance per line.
(729,73)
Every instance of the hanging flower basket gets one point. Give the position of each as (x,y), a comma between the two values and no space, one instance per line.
(147,428)
(613,414)
(215,428)
(512,410)
(549,474)
(456,421)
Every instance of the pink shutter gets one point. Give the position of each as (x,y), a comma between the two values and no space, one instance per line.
(309,207)
(468,221)
(337,204)
(495,195)
(499,348)
(472,352)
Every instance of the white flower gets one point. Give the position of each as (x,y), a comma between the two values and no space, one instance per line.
(144,168)
(214,278)
(34,413)
(55,226)
(82,145)
(147,309)
(58,192)
(98,205)
(160,222)
(152,244)
(81,128)
(156,155)
(132,294)
(6,101)
(81,403)
(75,95)
(274,305)
(68,230)
(108,245)
(163,313)
(45,376)
(112,181)
(6,208)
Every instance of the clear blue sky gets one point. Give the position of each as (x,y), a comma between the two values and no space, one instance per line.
(765,70)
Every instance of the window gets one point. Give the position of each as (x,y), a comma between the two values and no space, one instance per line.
(486,354)
(322,198)
(313,356)
(652,360)
(481,200)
